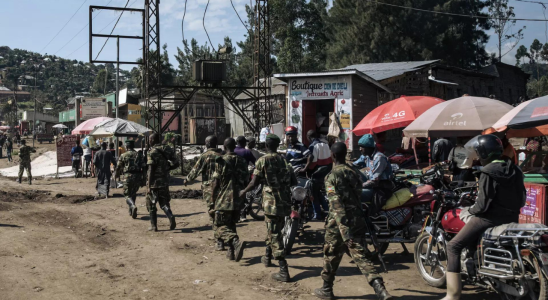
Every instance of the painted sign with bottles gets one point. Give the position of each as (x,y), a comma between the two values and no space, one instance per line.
(338,88)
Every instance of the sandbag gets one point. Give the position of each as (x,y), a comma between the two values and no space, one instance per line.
(399,198)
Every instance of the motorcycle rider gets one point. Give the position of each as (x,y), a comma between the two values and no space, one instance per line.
(377,187)
(77,152)
(295,149)
(501,194)
(319,164)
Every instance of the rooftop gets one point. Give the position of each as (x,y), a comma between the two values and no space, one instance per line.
(381,71)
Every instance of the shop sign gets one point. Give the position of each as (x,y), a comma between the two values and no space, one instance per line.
(64,146)
(93,108)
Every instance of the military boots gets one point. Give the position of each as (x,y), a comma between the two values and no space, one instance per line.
(220,245)
(380,290)
(267,258)
(238,247)
(283,275)
(170,216)
(230,252)
(132,208)
(326,291)
(153,221)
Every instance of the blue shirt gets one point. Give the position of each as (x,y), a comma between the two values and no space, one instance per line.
(296,151)
(77,149)
(379,169)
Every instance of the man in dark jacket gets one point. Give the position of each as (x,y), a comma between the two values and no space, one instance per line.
(501,196)
(102,161)
(442,147)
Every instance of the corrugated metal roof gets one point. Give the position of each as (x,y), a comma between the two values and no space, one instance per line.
(490,70)
(278,88)
(381,71)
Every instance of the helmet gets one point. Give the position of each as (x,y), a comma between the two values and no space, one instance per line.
(488,148)
(367,141)
(291,130)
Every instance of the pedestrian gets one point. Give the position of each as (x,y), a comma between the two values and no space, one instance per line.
(2,141)
(24,161)
(346,227)
(131,165)
(18,138)
(206,165)
(277,177)
(295,149)
(251,144)
(243,152)
(102,161)
(160,160)
(229,179)
(87,159)
(9,148)
(121,149)
(77,154)
(319,164)
(442,147)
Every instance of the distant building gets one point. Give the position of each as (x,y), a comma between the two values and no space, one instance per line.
(432,78)
(21,96)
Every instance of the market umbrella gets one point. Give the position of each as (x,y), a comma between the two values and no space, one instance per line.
(119,128)
(395,114)
(528,119)
(59,126)
(87,126)
(464,116)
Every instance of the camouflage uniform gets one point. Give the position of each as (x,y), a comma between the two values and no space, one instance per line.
(346,221)
(206,165)
(233,177)
(158,156)
(132,165)
(275,175)
(24,162)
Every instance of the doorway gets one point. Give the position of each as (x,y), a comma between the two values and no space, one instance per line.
(316,116)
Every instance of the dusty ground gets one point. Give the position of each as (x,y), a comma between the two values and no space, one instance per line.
(57,243)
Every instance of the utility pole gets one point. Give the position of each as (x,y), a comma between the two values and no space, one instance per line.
(34,114)
(116,100)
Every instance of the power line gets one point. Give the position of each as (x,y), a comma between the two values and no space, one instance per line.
(203,23)
(249,31)
(537,2)
(80,30)
(64,25)
(457,15)
(112,31)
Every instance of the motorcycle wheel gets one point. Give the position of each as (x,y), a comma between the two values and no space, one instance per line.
(541,287)
(433,269)
(289,233)
(256,210)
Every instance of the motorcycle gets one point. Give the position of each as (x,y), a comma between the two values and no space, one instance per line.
(254,200)
(403,224)
(511,259)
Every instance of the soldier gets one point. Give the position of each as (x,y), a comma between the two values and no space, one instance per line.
(206,165)
(160,160)
(228,180)
(346,227)
(277,177)
(24,160)
(131,164)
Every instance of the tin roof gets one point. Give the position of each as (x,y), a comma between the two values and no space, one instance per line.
(340,72)
(278,88)
(381,71)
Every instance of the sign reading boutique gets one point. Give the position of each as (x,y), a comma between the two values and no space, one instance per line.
(337,88)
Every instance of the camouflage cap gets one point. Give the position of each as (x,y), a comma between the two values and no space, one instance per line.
(273,137)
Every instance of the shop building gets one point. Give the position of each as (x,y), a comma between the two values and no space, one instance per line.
(312,98)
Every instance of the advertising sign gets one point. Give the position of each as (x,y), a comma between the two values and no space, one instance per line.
(93,108)
(338,88)
(64,146)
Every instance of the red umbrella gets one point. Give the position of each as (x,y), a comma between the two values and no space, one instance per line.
(87,126)
(397,113)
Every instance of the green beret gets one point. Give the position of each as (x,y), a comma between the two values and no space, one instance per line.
(273,137)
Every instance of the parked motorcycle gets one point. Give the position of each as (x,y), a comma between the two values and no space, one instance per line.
(254,201)
(301,212)
(511,259)
(403,224)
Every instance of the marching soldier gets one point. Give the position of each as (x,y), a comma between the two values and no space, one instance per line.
(277,178)
(131,164)
(24,161)
(229,179)
(346,227)
(160,160)
(206,165)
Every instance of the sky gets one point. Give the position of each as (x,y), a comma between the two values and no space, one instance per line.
(43,26)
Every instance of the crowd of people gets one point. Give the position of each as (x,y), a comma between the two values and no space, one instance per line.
(226,178)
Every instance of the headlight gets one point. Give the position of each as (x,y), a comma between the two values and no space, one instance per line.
(298,193)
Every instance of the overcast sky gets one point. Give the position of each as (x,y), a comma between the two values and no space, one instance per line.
(34,24)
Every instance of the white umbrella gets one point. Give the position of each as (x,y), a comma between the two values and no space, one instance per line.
(60,126)
(119,128)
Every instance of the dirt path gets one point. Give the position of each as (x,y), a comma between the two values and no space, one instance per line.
(57,243)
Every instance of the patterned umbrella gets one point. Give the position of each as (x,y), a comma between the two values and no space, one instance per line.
(87,126)
(528,119)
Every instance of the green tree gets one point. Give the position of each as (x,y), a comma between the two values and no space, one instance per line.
(103,82)
(501,13)
(521,53)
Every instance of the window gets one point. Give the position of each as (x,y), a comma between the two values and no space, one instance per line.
(199,112)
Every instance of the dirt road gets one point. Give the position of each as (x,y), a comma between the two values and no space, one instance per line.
(57,243)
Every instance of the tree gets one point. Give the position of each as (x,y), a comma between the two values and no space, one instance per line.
(520,54)
(103,82)
(500,13)
(365,32)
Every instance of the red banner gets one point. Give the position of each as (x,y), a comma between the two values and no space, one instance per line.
(64,146)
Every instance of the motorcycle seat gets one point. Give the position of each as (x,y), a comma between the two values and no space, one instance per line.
(494,233)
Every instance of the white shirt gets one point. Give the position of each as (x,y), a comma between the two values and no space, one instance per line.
(461,157)
(87,151)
